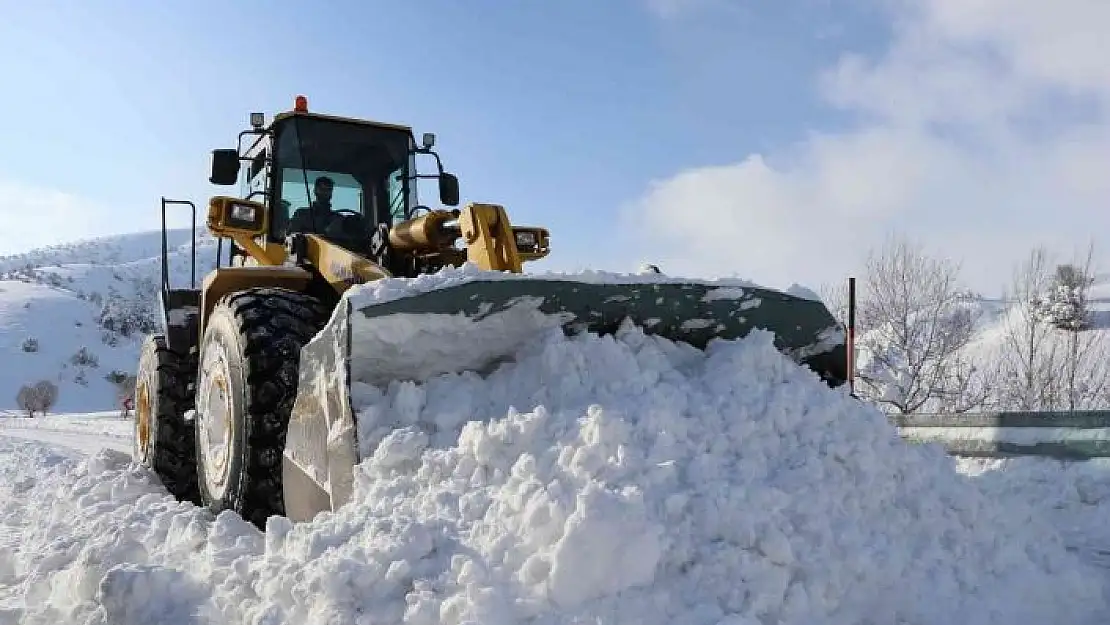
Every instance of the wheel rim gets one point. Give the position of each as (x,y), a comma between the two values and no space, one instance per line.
(214,416)
(142,421)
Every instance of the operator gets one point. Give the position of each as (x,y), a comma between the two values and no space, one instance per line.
(319,213)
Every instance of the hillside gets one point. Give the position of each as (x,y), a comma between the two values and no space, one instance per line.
(75,314)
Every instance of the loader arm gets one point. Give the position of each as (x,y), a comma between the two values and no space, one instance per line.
(489,239)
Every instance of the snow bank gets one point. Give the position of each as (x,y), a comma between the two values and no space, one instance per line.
(1075,496)
(630,480)
(611,480)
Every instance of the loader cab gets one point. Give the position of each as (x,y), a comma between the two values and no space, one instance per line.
(371,167)
(365,165)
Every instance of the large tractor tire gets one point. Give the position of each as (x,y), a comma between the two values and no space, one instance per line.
(246,384)
(164,440)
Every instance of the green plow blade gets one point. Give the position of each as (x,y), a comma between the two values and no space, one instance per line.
(507,311)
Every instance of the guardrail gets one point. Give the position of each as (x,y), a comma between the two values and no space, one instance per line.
(1064,435)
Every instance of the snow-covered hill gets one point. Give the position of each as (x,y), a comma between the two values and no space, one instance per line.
(75,314)
(1020,355)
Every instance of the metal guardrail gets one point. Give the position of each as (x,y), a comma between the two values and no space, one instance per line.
(1063,435)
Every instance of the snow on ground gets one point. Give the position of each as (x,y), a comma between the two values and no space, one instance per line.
(62,324)
(1075,496)
(606,480)
(57,296)
(85,433)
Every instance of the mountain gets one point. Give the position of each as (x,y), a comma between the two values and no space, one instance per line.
(75,314)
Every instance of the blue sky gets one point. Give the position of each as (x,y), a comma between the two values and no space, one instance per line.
(600,120)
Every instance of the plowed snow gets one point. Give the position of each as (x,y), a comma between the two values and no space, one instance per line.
(614,480)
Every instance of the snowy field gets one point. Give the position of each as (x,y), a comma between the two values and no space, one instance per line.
(609,480)
(82,433)
(92,295)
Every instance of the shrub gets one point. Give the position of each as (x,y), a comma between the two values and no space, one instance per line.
(84,358)
(39,397)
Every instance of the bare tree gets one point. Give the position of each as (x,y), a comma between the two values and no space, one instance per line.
(1050,360)
(39,397)
(914,319)
(969,385)
(835,298)
(1029,357)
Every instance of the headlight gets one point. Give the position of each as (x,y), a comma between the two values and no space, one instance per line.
(526,239)
(243,213)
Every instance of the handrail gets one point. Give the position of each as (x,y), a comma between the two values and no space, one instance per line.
(165,245)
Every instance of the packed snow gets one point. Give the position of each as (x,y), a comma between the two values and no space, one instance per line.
(87,433)
(618,479)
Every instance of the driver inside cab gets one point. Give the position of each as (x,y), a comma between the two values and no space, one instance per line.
(318,216)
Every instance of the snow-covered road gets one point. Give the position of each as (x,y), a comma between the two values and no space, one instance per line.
(84,433)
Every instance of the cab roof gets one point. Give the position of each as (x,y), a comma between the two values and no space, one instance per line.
(336,118)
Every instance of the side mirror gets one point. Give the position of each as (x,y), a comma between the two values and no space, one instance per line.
(448,189)
(225,167)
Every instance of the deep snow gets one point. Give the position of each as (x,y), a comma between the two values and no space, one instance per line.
(605,480)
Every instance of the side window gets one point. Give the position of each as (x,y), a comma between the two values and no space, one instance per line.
(256,185)
(396,184)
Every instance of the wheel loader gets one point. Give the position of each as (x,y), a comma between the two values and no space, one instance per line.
(242,400)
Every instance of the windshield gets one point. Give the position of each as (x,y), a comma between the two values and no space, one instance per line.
(366,167)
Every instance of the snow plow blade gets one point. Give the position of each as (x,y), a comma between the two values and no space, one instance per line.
(475,325)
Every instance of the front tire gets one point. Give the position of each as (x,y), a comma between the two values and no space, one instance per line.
(164,441)
(246,384)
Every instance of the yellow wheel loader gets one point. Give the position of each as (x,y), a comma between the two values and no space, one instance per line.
(242,401)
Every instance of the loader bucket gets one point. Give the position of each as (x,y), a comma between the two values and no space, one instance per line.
(500,314)
(475,324)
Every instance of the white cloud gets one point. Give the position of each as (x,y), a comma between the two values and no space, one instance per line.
(986,130)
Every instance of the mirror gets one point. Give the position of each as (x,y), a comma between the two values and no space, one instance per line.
(428,140)
(448,189)
(225,167)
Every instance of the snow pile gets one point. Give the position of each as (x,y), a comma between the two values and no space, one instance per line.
(1074,495)
(611,480)
(631,480)
(99,542)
